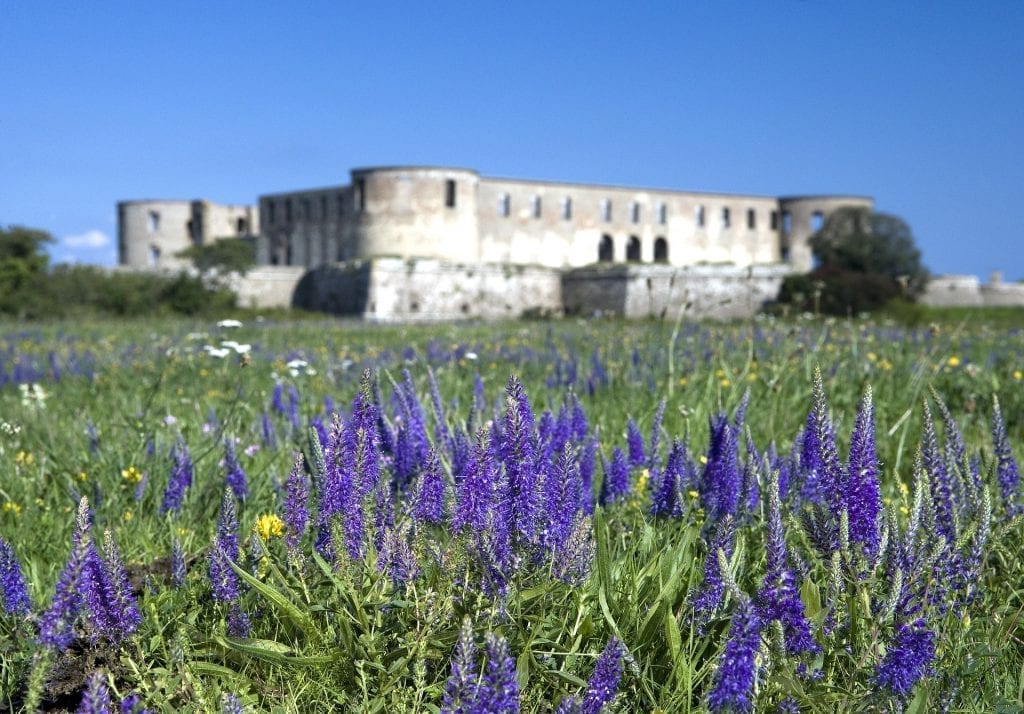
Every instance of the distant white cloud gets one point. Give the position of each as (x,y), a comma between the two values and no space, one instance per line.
(91,240)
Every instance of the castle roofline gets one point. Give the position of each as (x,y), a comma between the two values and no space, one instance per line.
(413,167)
(828,197)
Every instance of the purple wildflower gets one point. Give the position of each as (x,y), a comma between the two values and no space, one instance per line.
(720,483)
(179,480)
(587,458)
(13,589)
(579,419)
(56,626)
(277,398)
(665,499)
(499,690)
(605,680)
(125,617)
(779,597)
(616,478)
(238,624)
(223,579)
(231,704)
(296,508)
(907,660)
(945,487)
(1006,466)
(819,460)
(476,489)
(460,689)
(519,454)
(235,475)
(733,690)
(708,599)
(178,567)
(860,495)
(267,431)
(96,697)
(635,443)
(428,504)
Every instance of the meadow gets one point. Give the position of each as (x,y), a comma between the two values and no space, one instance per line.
(577,516)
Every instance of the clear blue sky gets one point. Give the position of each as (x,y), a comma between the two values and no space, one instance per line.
(920,105)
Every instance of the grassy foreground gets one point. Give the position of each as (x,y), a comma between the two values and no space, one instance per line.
(576,516)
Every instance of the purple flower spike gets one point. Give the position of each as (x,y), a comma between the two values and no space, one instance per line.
(460,689)
(908,659)
(96,697)
(499,692)
(1006,466)
(518,450)
(708,599)
(861,496)
(616,478)
(179,480)
(604,682)
(56,626)
(635,443)
(223,579)
(296,506)
(178,567)
(428,506)
(721,480)
(734,680)
(13,589)
(123,607)
(235,476)
(231,704)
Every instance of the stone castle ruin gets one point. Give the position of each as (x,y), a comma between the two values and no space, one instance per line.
(439,243)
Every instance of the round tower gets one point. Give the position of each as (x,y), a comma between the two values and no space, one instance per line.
(415,212)
(150,233)
(802,216)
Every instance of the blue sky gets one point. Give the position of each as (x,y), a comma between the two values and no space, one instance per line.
(920,105)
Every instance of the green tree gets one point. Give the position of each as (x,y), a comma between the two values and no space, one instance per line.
(222,255)
(858,240)
(23,262)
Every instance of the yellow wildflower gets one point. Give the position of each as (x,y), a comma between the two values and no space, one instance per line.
(131,474)
(725,383)
(953,361)
(719,373)
(12,507)
(682,381)
(82,476)
(693,494)
(904,510)
(703,459)
(872,357)
(886,365)
(269,526)
(24,458)
(128,515)
(1018,375)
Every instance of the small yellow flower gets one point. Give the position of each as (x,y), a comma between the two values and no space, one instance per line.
(725,383)
(12,507)
(82,476)
(1018,375)
(886,365)
(904,510)
(24,458)
(904,489)
(751,377)
(131,474)
(682,381)
(182,532)
(719,373)
(269,526)
(953,362)
(703,459)
(128,515)
(693,494)
(872,357)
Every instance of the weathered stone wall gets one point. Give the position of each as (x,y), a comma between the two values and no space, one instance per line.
(969,291)
(637,291)
(391,289)
(267,286)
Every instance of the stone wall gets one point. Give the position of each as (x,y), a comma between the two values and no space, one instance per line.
(659,291)
(392,289)
(969,291)
(267,286)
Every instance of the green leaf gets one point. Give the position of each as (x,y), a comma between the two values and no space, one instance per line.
(299,618)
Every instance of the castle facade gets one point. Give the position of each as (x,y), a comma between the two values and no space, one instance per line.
(458,216)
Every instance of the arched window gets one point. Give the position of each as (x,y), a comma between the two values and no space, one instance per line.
(606,251)
(660,250)
(633,250)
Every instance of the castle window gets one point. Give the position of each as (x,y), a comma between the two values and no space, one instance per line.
(241,226)
(566,208)
(449,193)
(725,217)
(787,222)
(288,210)
(606,250)
(698,216)
(660,250)
(817,221)
(270,213)
(535,206)
(154,255)
(751,219)
(504,205)
(606,210)
(189,230)
(633,250)
(360,194)
(635,212)
(154,221)
(662,213)
(775,220)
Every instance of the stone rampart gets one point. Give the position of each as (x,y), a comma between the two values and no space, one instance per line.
(969,291)
(660,291)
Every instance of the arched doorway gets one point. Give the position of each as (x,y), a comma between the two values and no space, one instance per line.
(606,250)
(633,250)
(660,250)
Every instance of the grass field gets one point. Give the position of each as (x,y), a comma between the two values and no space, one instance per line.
(572,516)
